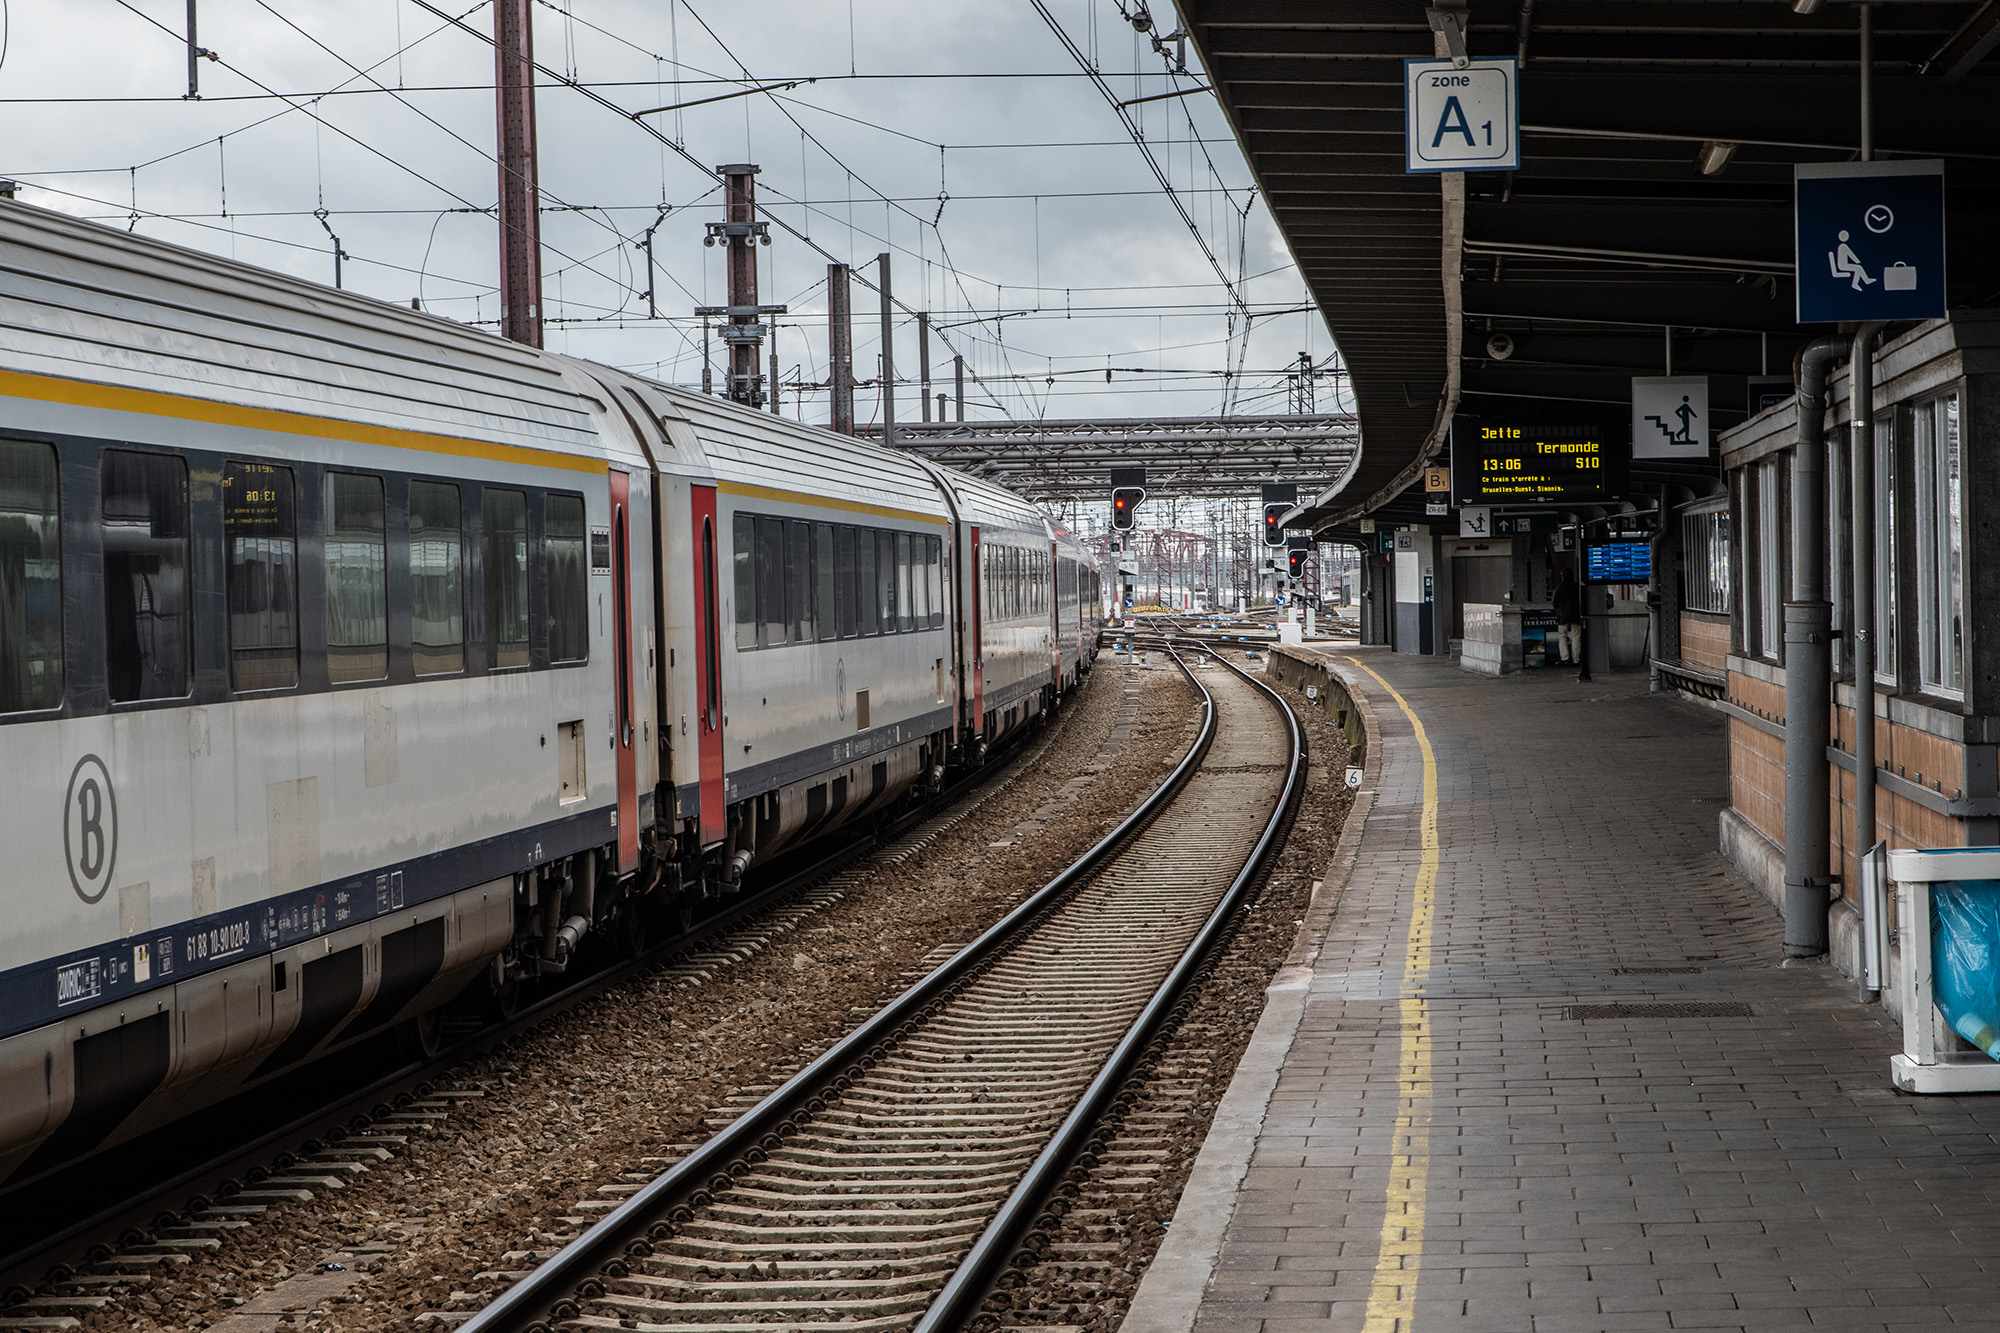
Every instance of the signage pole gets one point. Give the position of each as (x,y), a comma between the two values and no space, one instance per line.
(1867,82)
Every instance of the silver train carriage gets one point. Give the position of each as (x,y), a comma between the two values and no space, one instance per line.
(351,659)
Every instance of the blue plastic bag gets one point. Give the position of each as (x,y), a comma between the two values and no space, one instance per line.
(1965,959)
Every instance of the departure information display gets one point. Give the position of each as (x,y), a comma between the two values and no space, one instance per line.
(1618,562)
(1512,462)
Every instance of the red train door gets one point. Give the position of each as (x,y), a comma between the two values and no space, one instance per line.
(708,664)
(978,638)
(621,649)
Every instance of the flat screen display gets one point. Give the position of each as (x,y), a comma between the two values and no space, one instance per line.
(1618,562)
(1519,462)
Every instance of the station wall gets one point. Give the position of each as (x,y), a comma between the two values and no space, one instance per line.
(1937,405)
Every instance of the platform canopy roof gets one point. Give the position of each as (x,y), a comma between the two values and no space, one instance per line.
(1181,456)
(1611,239)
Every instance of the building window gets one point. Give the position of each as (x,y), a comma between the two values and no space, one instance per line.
(1940,547)
(1885,554)
(437,579)
(1705,560)
(1770,585)
(145,512)
(261,544)
(504,546)
(564,552)
(31,638)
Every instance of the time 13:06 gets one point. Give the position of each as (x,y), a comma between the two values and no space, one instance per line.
(1492,465)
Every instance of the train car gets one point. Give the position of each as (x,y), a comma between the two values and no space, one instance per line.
(838,671)
(1079,610)
(1004,562)
(351,658)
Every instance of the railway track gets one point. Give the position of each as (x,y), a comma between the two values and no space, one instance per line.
(894,1181)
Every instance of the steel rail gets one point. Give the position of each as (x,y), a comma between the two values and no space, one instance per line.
(998,1246)
(551,1293)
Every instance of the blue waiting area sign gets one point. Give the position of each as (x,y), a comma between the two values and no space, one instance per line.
(1869,240)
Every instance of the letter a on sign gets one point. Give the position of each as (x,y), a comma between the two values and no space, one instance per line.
(1461,119)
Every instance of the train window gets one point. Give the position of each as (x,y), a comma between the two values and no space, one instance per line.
(936,580)
(31,639)
(844,596)
(565,557)
(824,596)
(260,538)
(905,608)
(437,579)
(505,548)
(885,579)
(867,593)
(920,581)
(746,581)
(145,515)
(357,566)
(799,581)
(770,581)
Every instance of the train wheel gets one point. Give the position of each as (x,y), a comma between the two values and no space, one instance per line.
(633,934)
(419,1038)
(501,994)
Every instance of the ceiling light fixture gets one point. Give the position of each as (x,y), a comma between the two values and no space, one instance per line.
(1714,156)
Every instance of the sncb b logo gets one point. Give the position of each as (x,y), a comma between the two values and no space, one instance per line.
(90,828)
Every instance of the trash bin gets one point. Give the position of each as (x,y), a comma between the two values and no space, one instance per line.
(1948,923)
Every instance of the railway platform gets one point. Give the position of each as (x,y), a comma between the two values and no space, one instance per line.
(1537,1064)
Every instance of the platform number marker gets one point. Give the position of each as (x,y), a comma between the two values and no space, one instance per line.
(1461,119)
(90,828)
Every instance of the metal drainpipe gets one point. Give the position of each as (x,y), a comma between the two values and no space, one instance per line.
(1808,667)
(1861,463)
(1653,682)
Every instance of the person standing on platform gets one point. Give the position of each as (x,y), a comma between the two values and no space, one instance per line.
(1569,617)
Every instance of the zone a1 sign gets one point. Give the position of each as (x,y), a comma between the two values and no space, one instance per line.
(1461,119)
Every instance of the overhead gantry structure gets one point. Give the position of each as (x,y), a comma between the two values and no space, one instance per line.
(1191,457)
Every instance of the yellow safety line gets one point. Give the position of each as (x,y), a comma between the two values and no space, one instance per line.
(1392,1296)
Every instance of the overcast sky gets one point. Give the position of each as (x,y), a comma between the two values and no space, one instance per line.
(1011,183)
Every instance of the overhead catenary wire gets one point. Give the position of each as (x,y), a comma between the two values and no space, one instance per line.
(304,106)
(985,345)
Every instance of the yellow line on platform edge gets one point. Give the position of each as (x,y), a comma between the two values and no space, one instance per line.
(1392,1295)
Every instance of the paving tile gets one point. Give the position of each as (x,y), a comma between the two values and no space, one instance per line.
(1605,1174)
